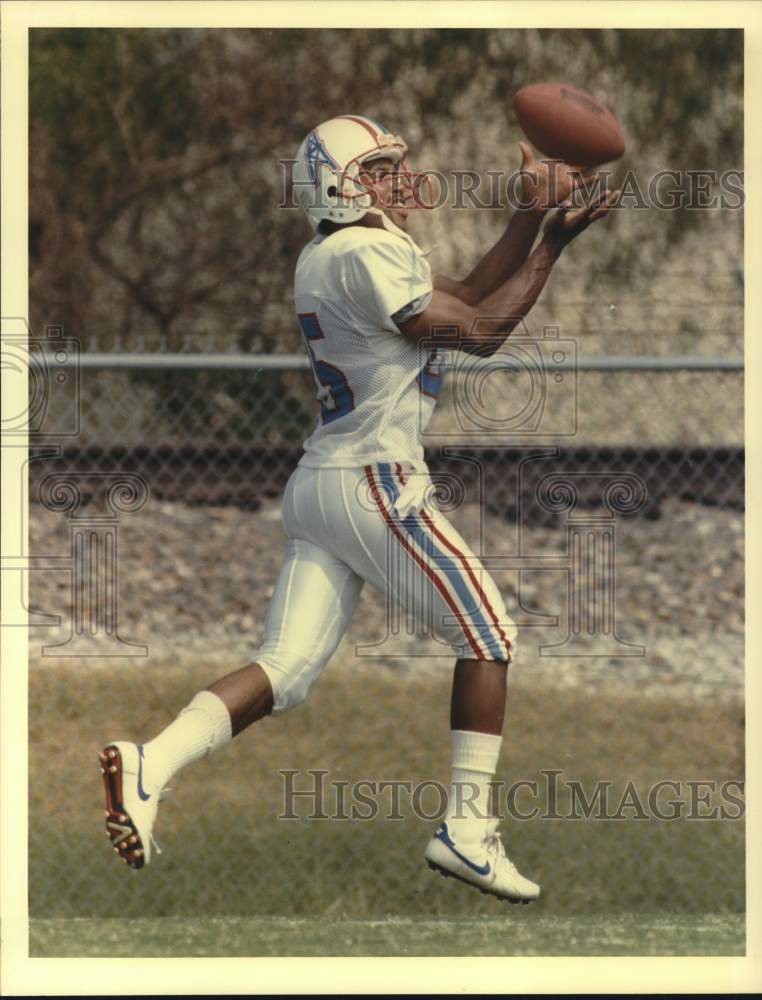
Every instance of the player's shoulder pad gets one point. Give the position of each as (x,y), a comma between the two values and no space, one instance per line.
(352,237)
(371,245)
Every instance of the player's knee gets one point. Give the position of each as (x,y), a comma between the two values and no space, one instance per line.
(291,676)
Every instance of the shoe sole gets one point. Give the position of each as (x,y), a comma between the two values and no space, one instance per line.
(472,885)
(120,828)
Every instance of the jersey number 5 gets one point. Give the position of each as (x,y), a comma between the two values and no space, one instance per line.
(336,398)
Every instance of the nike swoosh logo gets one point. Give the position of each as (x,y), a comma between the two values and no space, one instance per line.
(443,835)
(141,791)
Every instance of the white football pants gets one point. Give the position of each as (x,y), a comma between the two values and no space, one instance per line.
(376,523)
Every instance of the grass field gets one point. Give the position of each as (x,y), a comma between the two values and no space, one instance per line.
(235,879)
(626,934)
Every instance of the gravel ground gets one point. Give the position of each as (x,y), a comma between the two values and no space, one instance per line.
(194,582)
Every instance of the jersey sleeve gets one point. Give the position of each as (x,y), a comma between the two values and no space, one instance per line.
(389,281)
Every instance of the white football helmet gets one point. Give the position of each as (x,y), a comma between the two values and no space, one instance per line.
(328,165)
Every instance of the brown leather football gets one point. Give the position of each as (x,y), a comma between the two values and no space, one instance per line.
(568,124)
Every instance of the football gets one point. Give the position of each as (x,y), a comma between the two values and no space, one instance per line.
(568,124)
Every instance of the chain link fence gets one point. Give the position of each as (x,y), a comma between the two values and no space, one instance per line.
(172,475)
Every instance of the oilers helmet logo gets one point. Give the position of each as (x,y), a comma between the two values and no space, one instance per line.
(316,154)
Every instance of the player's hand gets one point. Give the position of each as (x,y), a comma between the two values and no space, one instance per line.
(547,183)
(566,222)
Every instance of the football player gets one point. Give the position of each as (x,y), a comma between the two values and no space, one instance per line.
(359,505)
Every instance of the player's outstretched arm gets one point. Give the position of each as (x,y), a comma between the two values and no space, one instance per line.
(451,323)
(544,184)
(498,264)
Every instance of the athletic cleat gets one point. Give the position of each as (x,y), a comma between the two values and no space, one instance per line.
(131,804)
(482,864)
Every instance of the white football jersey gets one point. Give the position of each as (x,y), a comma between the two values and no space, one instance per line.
(377,389)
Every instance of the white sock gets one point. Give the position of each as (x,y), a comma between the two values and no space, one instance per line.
(474,762)
(202,727)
